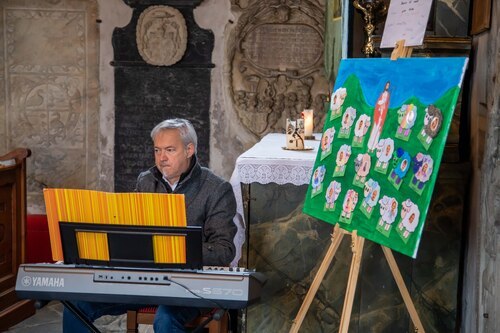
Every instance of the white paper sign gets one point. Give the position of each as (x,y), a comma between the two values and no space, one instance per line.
(406,19)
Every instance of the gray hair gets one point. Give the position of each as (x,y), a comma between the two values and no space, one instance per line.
(186,130)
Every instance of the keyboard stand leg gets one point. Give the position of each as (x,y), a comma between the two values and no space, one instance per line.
(78,314)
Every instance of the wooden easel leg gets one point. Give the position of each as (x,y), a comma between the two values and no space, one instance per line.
(357,249)
(337,236)
(401,51)
(403,290)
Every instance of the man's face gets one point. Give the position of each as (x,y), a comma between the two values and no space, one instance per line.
(171,157)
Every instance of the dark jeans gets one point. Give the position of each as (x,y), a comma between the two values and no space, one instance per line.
(169,319)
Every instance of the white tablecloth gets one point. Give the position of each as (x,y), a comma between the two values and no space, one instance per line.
(267,162)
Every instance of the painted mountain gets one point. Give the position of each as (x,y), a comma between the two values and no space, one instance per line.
(382,145)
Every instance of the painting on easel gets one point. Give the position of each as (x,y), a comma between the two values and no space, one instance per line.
(382,145)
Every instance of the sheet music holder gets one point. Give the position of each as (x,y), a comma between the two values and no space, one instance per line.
(141,230)
(131,246)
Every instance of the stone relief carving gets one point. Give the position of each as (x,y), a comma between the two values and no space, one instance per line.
(276,63)
(51,88)
(161,35)
(49,111)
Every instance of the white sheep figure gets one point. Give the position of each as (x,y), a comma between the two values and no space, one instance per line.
(332,193)
(338,98)
(362,166)
(388,211)
(342,157)
(348,120)
(361,128)
(410,216)
(385,149)
(327,139)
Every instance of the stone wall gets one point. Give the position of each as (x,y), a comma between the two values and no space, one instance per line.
(49,96)
(59,89)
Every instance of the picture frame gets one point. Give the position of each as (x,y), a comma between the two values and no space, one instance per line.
(481,16)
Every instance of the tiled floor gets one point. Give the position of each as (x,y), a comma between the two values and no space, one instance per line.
(48,320)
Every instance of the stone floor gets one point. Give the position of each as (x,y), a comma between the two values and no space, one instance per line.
(48,320)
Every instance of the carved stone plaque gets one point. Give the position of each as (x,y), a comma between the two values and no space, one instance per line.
(283,46)
(276,57)
(161,35)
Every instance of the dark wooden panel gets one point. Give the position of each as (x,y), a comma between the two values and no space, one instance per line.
(12,236)
(6,242)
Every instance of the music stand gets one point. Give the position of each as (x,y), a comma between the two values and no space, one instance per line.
(130,245)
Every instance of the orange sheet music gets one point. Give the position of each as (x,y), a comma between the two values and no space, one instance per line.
(142,209)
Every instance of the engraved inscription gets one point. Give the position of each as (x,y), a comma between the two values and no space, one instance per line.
(275,46)
(161,35)
(50,80)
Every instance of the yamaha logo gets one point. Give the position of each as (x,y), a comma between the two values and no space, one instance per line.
(42,281)
(26,281)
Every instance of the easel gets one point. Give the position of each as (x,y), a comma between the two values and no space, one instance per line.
(357,244)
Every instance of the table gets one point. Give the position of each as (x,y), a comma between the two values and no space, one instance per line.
(267,162)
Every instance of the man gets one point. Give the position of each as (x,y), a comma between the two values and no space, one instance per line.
(210,203)
(379,115)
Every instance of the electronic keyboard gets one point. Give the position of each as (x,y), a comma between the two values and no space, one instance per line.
(228,288)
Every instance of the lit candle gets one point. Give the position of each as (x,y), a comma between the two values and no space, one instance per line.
(308,122)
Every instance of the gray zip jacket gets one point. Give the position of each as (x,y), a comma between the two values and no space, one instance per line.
(210,203)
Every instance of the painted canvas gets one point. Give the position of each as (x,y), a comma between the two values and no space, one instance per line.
(382,145)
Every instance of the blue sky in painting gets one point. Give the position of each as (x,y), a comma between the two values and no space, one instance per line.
(425,78)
